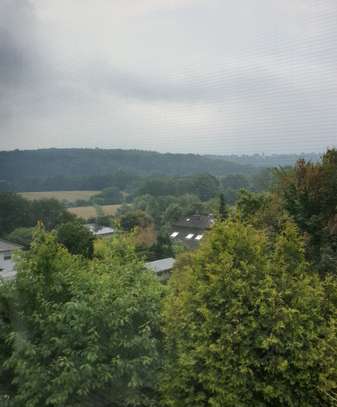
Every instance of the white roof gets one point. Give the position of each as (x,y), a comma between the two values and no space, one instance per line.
(104,230)
(8,246)
(158,266)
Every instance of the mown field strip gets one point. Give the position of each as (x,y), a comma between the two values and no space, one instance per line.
(70,196)
(87,212)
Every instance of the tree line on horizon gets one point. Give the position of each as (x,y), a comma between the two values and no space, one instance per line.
(95,169)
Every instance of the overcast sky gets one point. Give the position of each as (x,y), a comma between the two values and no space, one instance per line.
(203,76)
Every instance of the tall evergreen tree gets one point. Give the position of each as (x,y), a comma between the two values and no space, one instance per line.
(309,194)
(247,323)
(222,208)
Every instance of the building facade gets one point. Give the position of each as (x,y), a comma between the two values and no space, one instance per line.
(7,264)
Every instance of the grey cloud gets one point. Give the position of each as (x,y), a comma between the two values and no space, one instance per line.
(248,93)
(17,44)
(22,69)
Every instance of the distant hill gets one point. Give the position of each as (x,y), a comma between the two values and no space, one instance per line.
(273,160)
(21,169)
(67,169)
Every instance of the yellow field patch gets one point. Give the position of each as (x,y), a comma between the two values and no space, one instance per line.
(69,196)
(87,212)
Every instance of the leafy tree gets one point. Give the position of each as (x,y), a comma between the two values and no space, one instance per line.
(174,212)
(76,238)
(262,210)
(222,208)
(231,195)
(249,203)
(309,194)
(21,236)
(235,181)
(17,212)
(247,323)
(134,218)
(87,332)
(263,180)
(158,186)
(191,204)
(50,212)
(108,196)
(14,212)
(167,209)
(161,249)
(205,186)
(152,206)
(7,310)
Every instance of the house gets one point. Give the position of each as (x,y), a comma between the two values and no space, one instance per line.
(190,230)
(7,265)
(162,268)
(100,231)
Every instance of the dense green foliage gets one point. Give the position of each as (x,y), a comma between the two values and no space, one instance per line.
(84,333)
(88,169)
(76,238)
(17,212)
(248,318)
(309,194)
(269,161)
(14,212)
(223,213)
(129,219)
(148,172)
(204,186)
(167,209)
(161,249)
(108,196)
(73,169)
(247,323)
(7,321)
(21,236)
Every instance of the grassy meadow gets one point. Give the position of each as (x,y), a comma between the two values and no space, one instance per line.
(87,212)
(69,196)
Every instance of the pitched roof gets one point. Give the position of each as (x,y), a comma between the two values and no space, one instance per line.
(159,266)
(8,246)
(201,222)
(100,231)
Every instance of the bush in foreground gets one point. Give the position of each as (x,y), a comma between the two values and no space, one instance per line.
(84,332)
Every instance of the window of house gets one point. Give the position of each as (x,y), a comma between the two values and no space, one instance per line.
(7,256)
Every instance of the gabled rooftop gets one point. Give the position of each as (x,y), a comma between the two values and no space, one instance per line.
(8,246)
(159,266)
(190,230)
(201,222)
(101,230)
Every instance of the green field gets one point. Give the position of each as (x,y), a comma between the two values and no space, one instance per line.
(87,212)
(69,196)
